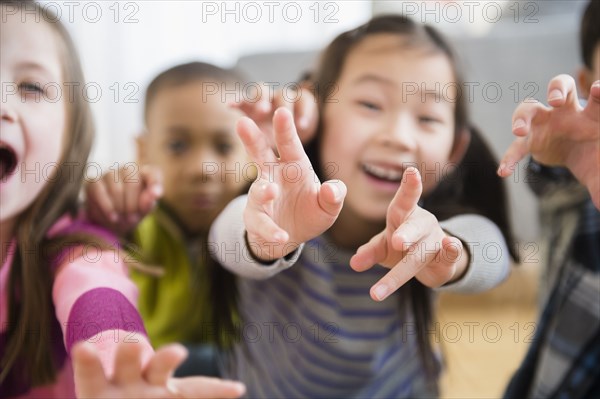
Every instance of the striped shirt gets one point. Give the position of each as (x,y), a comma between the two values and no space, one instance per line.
(316,332)
(312,330)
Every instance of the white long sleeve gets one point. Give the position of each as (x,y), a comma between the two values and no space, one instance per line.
(490,260)
(489,263)
(227,237)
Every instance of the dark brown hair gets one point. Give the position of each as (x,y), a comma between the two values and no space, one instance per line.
(186,73)
(461,191)
(222,283)
(589,35)
(30,282)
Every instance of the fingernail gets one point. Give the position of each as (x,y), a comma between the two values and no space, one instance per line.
(171,387)
(279,236)
(413,171)
(381,292)
(114,217)
(303,123)
(519,123)
(264,106)
(400,237)
(501,168)
(555,95)
(238,385)
(336,192)
(262,186)
(157,190)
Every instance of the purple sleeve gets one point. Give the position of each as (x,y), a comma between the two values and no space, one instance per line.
(102,311)
(95,301)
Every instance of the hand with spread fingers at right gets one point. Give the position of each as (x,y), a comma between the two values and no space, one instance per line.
(299,101)
(563,134)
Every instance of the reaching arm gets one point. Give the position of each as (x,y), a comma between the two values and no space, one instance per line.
(564,134)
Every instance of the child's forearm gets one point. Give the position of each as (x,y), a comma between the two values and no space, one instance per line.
(95,302)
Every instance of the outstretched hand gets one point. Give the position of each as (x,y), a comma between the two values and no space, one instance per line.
(412,245)
(302,104)
(287,204)
(131,380)
(564,134)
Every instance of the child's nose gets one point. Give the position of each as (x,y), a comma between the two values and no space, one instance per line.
(204,164)
(8,113)
(10,94)
(399,133)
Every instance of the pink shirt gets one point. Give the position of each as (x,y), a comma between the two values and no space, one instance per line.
(94,300)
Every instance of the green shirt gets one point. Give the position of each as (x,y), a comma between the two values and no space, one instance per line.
(175,306)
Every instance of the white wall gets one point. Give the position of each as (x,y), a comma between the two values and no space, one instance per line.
(124,44)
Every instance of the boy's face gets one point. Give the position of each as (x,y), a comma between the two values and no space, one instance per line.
(588,76)
(192,139)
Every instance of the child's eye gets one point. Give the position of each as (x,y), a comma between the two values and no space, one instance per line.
(428,119)
(224,148)
(369,105)
(177,146)
(31,87)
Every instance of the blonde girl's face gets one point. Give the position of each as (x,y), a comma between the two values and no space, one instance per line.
(32,110)
(393,108)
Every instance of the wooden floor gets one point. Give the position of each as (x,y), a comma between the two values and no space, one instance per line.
(484,337)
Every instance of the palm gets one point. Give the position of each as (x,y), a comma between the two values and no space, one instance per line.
(563,134)
(287,205)
(545,125)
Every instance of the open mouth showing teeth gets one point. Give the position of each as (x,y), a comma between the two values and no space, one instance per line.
(8,162)
(386,174)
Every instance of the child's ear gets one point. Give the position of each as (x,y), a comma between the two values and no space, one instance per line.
(584,81)
(461,144)
(141,142)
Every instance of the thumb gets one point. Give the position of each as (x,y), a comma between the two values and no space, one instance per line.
(593,105)
(515,152)
(331,197)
